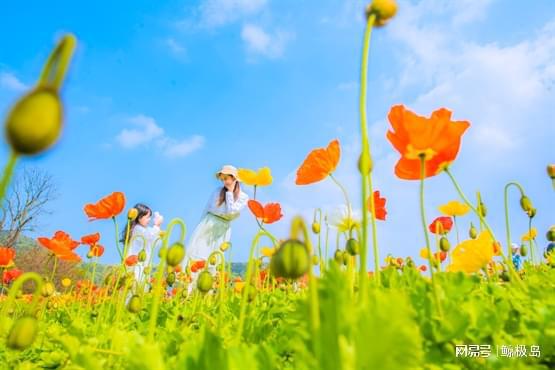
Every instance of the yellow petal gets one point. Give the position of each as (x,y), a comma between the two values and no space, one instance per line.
(454,208)
(246,176)
(264,177)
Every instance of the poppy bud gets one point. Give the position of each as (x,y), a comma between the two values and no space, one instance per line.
(346,257)
(551,234)
(205,281)
(410,262)
(315,227)
(551,171)
(523,250)
(35,122)
(213,260)
(549,250)
(532,212)
(482,209)
(170,279)
(291,260)
(444,244)
(132,213)
(48,289)
(525,204)
(225,246)
(352,246)
(383,9)
(315,260)
(473,233)
(142,255)
(175,254)
(338,256)
(22,333)
(365,164)
(134,304)
(251,293)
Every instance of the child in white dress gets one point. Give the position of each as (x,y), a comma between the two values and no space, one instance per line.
(224,205)
(140,226)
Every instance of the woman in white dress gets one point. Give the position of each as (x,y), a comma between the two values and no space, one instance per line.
(140,227)
(224,205)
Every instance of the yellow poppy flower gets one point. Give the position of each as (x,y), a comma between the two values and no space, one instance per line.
(529,235)
(66,282)
(238,286)
(473,254)
(454,208)
(268,251)
(262,177)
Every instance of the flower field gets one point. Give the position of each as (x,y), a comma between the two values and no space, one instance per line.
(326,295)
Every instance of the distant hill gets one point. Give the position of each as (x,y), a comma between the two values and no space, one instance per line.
(23,244)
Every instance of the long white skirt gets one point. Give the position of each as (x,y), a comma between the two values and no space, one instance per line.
(207,237)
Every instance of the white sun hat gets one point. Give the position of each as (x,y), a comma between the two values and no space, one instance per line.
(227,170)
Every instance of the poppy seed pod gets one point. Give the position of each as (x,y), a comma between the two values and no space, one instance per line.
(35,122)
(22,333)
(384,10)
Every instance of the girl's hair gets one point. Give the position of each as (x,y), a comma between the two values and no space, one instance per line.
(236,192)
(143,210)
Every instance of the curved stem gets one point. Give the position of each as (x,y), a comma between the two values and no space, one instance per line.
(483,222)
(507,225)
(17,285)
(427,237)
(6,177)
(244,296)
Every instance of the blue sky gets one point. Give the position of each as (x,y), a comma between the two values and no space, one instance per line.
(161,94)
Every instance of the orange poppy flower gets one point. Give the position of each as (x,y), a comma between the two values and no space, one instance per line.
(131,260)
(91,239)
(437,138)
(268,214)
(7,255)
(107,207)
(379,205)
(97,250)
(441,225)
(319,164)
(61,245)
(198,265)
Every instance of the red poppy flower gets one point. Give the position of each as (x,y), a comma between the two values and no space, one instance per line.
(379,205)
(423,268)
(319,164)
(198,265)
(437,139)
(268,214)
(107,207)
(91,239)
(7,255)
(440,256)
(10,275)
(61,245)
(131,260)
(441,225)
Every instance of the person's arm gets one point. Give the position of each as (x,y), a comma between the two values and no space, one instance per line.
(233,207)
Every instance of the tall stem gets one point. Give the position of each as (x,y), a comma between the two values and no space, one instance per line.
(427,237)
(6,177)
(117,240)
(507,225)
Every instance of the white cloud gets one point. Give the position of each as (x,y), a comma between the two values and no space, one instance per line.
(260,42)
(181,148)
(174,46)
(148,131)
(214,13)
(11,82)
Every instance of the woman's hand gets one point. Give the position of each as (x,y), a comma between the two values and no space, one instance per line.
(158,219)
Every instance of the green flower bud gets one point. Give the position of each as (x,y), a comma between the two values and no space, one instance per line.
(22,333)
(315,227)
(551,234)
(291,260)
(444,244)
(473,233)
(134,304)
(142,255)
(175,254)
(352,246)
(365,164)
(205,281)
(525,203)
